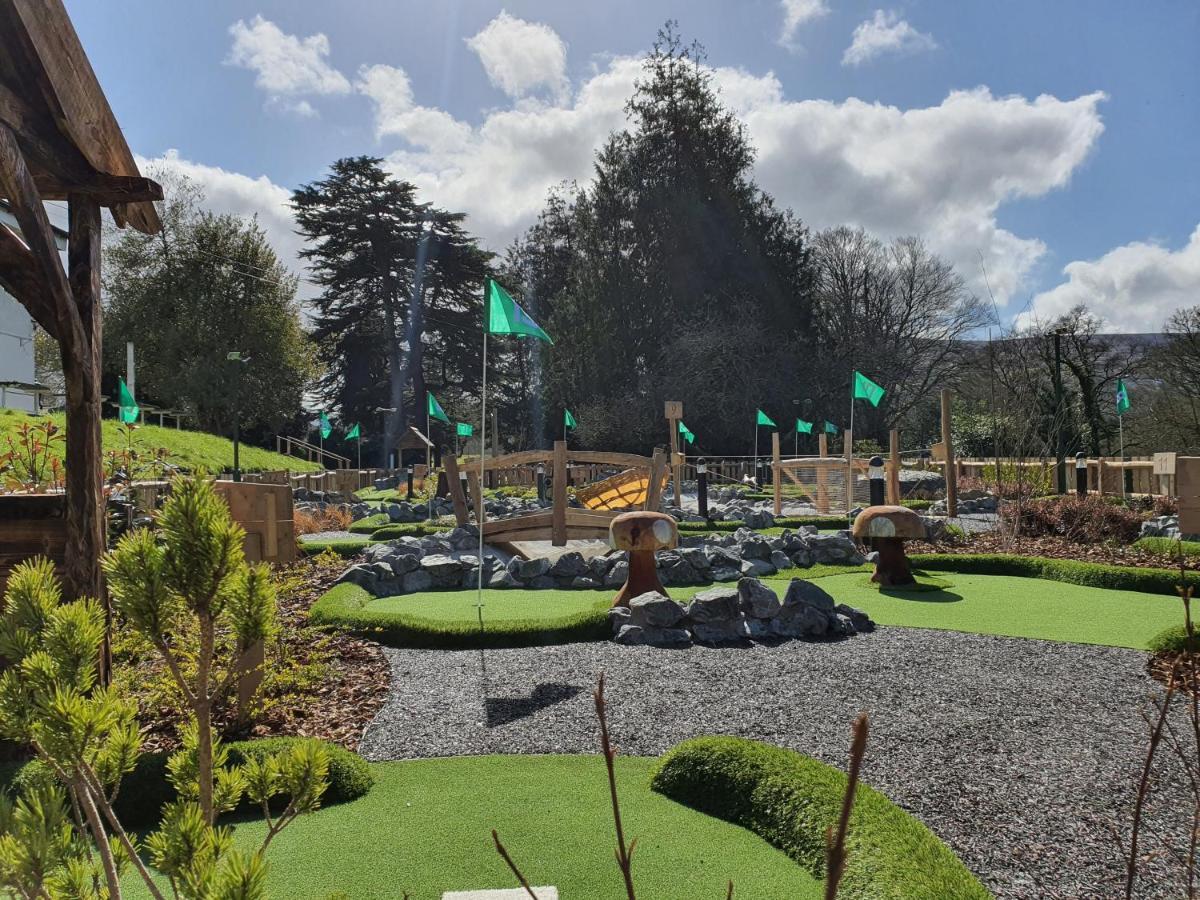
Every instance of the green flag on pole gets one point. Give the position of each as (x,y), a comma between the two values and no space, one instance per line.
(683,429)
(803,427)
(764,419)
(689,437)
(435,409)
(830,428)
(325,425)
(464,429)
(1122,397)
(354,433)
(505,316)
(129,407)
(866,389)
(568,419)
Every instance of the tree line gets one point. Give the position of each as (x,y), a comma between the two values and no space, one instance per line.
(670,275)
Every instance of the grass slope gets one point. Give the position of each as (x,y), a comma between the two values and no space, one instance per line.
(188,449)
(425,828)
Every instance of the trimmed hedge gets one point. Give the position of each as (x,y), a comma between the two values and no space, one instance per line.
(345,606)
(347,547)
(146,789)
(1173,640)
(790,800)
(1088,574)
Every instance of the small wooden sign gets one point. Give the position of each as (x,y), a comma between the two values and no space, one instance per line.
(1164,463)
(937,452)
(674,409)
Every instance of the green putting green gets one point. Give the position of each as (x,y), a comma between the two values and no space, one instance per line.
(1015,607)
(426,825)
(499,605)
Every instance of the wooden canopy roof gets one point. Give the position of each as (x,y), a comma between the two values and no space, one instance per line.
(52,102)
(412,439)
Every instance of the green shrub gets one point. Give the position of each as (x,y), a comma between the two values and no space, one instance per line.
(918,505)
(1088,520)
(369,524)
(790,800)
(347,606)
(145,790)
(347,547)
(1165,546)
(1088,574)
(412,529)
(1173,640)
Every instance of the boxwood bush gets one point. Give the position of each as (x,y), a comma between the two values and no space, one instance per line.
(1173,640)
(1089,574)
(145,789)
(790,800)
(1165,546)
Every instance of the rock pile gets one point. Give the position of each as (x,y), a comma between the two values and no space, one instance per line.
(449,560)
(403,511)
(319,501)
(979,503)
(1166,526)
(724,615)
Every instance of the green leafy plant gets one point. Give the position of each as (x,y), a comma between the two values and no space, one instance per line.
(30,465)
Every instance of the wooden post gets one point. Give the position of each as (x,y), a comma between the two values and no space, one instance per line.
(674,413)
(822,474)
(658,465)
(454,483)
(777,473)
(848,450)
(893,478)
(951,468)
(476,490)
(558,525)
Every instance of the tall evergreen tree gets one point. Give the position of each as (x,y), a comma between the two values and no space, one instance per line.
(402,282)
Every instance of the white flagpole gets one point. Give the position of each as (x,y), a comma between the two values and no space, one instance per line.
(756,484)
(1121,430)
(850,461)
(479,516)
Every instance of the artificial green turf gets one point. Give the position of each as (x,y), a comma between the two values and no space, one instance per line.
(425,828)
(499,605)
(185,449)
(1016,607)
(369,524)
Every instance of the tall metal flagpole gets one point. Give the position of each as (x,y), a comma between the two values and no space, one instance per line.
(479,516)
(756,484)
(1121,431)
(850,460)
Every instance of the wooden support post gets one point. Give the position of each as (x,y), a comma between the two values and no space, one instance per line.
(454,483)
(822,475)
(893,475)
(658,466)
(951,468)
(777,473)
(674,412)
(558,526)
(848,450)
(476,490)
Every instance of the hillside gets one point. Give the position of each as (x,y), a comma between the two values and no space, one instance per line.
(186,449)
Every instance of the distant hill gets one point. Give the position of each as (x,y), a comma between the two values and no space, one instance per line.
(187,449)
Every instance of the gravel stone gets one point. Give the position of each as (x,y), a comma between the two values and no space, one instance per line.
(1022,755)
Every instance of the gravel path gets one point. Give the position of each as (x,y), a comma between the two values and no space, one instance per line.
(1020,754)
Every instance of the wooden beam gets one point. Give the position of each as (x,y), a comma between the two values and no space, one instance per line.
(893,476)
(457,498)
(658,466)
(20,277)
(558,535)
(776,473)
(597,457)
(951,468)
(822,475)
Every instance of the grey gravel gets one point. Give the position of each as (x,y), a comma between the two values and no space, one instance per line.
(1022,755)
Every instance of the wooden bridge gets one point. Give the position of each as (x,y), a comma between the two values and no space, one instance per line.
(561,522)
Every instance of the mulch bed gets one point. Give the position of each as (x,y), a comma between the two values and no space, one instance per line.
(1056,548)
(1163,664)
(338,708)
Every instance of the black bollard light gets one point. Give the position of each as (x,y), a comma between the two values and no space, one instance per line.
(541,482)
(702,487)
(875,477)
(1080,474)
(410,482)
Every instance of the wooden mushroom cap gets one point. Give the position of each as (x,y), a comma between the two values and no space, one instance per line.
(889,522)
(641,530)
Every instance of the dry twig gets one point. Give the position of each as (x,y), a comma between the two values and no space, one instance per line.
(624,853)
(512,865)
(835,843)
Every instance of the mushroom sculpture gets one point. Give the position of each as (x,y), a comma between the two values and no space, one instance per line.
(885,529)
(641,534)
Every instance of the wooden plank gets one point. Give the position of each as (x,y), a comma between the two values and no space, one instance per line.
(776,473)
(538,520)
(558,531)
(271,530)
(951,468)
(658,464)
(893,475)
(476,495)
(623,460)
(823,475)
(522,458)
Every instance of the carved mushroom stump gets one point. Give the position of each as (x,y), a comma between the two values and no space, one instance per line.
(885,529)
(641,535)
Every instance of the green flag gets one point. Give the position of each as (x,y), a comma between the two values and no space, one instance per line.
(683,429)
(866,389)
(324,424)
(1122,397)
(435,409)
(689,437)
(568,419)
(354,433)
(803,427)
(129,407)
(504,316)
(764,419)
(830,428)
(464,429)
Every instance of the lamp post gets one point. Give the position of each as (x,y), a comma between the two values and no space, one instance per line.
(387,450)
(235,356)
(702,487)
(875,475)
(541,482)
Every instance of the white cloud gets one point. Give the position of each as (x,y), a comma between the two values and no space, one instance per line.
(286,66)
(520,57)
(1134,287)
(797,13)
(885,33)
(397,113)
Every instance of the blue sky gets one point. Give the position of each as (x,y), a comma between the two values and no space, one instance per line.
(931,124)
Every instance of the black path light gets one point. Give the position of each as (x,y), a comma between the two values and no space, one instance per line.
(875,475)
(702,487)
(1081,473)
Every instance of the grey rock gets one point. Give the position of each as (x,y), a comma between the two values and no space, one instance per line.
(598,567)
(724,575)
(714,605)
(639,635)
(756,568)
(806,593)
(362,575)
(755,548)
(438,566)
(529,569)
(618,617)
(722,557)
(726,632)
(861,621)
(757,601)
(569,565)
(800,621)
(780,560)
(617,575)
(415,582)
(584,583)
(802,559)
(696,558)
(759,518)
(542,583)
(655,610)
(843,625)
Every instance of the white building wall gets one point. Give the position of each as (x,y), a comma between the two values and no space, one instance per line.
(16,351)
